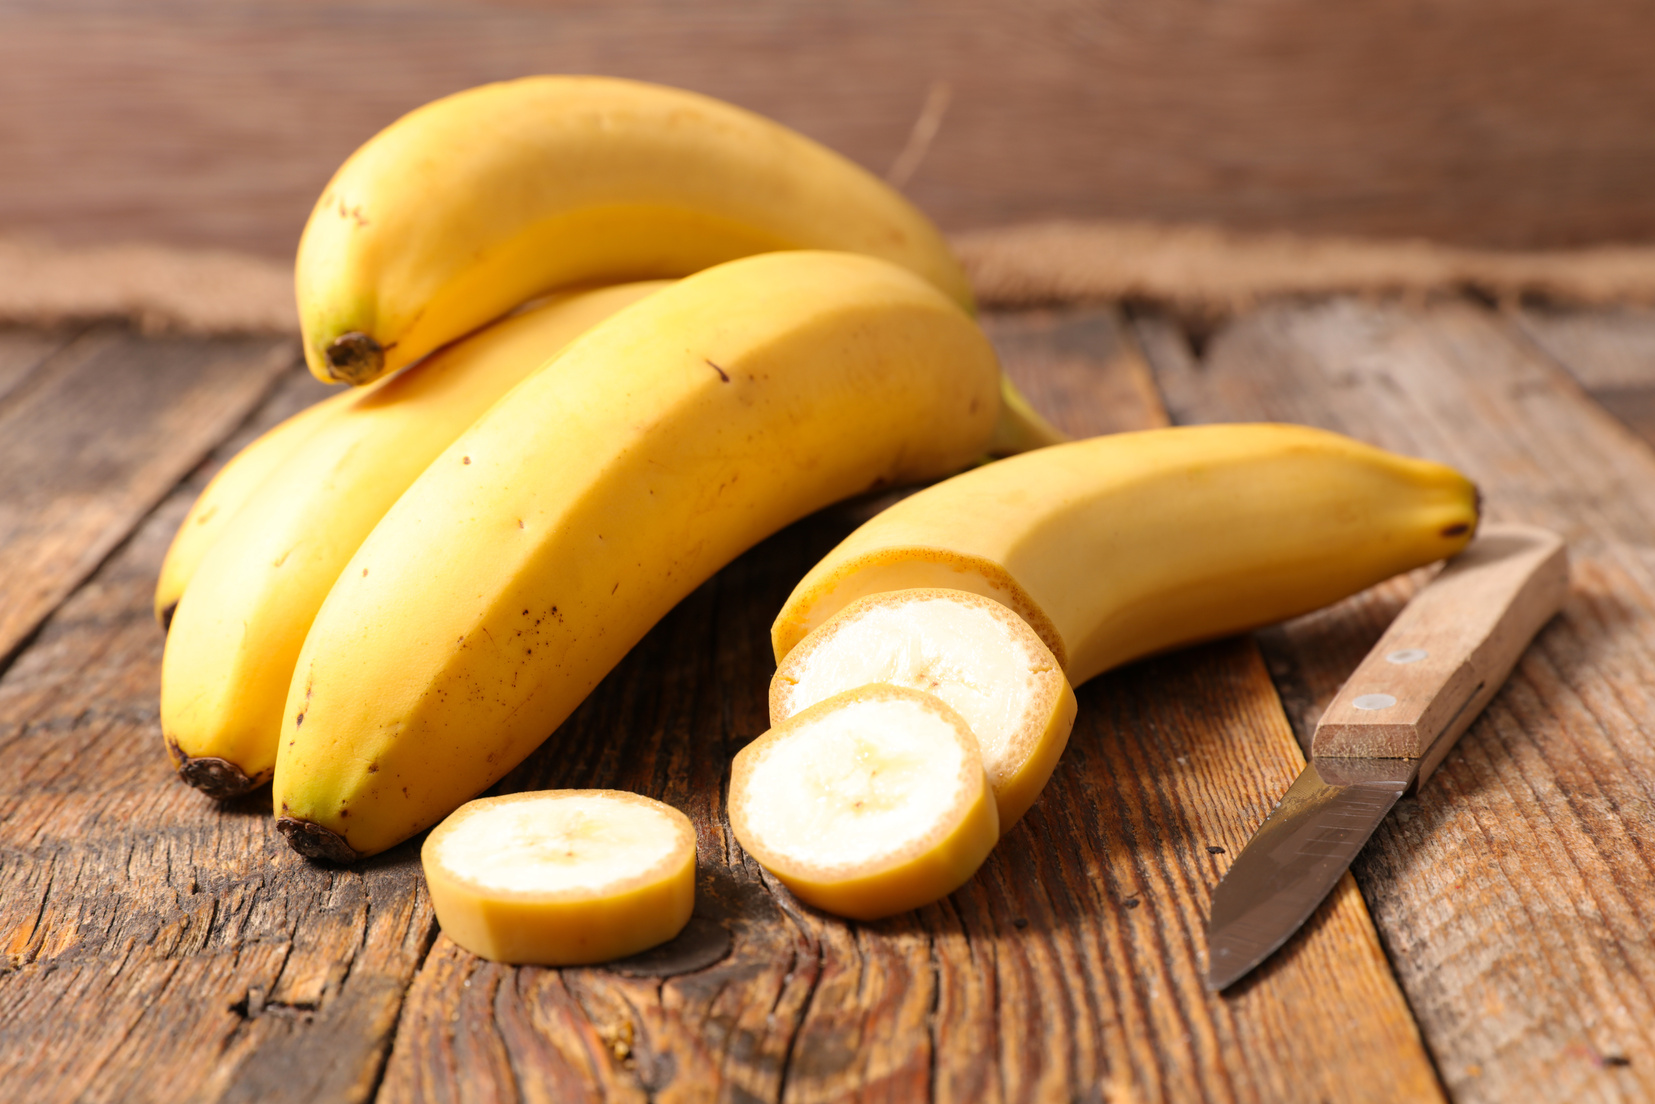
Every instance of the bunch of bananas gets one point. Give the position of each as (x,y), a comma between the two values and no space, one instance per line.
(633,331)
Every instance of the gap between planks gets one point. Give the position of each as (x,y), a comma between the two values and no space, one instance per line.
(96,428)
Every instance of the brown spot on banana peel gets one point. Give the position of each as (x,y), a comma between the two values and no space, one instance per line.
(314,841)
(354,358)
(215,777)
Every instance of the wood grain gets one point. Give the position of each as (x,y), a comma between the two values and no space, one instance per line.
(1610,352)
(1514,123)
(22,352)
(162,947)
(159,946)
(104,428)
(1516,892)
(1449,651)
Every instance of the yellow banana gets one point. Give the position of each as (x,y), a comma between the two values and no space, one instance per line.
(462,209)
(467,206)
(524,564)
(1117,547)
(869,803)
(237,632)
(227,492)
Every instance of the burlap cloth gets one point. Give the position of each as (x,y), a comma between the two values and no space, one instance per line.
(1197,270)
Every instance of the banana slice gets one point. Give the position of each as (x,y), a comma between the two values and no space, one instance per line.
(867,804)
(970,651)
(561,877)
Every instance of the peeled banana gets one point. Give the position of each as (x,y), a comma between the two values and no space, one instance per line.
(543,544)
(237,632)
(228,491)
(1117,547)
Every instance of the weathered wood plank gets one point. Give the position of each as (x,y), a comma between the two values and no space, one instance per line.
(158,946)
(1488,122)
(1610,352)
(1080,366)
(22,352)
(1069,968)
(292,391)
(1515,894)
(103,430)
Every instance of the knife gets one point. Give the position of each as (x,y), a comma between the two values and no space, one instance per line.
(1441,661)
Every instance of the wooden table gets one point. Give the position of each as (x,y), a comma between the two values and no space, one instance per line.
(1493,945)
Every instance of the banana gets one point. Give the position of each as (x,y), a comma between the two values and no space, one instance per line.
(524,564)
(561,877)
(1118,547)
(867,804)
(472,204)
(237,632)
(227,492)
(972,652)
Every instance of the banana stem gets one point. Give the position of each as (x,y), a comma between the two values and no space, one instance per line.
(1020,428)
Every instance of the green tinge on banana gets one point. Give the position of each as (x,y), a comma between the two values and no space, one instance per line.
(1021,427)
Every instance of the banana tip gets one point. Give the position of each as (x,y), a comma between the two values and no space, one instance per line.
(217,778)
(354,358)
(314,841)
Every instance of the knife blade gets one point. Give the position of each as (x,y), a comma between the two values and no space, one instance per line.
(1441,661)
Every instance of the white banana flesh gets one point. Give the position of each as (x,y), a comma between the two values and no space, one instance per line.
(972,652)
(867,804)
(562,877)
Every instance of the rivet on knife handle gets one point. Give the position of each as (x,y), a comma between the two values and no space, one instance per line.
(1448,651)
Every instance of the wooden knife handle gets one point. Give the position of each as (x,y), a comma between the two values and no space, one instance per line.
(1448,651)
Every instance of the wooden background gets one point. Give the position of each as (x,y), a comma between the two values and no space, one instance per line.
(1494,122)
